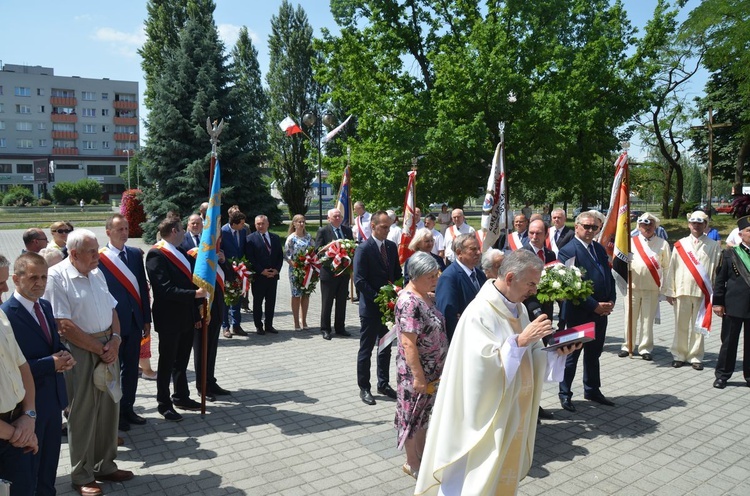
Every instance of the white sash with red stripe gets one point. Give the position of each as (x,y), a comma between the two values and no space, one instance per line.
(514,241)
(122,273)
(698,271)
(551,243)
(362,235)
(175,256)
(649,258)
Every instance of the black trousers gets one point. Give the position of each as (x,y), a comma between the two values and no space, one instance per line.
(264,290)
(130,350)
(214,328)
(174,355)
(731,328)
(372,330)
(334,290)
(592,350)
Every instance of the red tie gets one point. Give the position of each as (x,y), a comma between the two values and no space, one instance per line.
(541,255)
(42,322)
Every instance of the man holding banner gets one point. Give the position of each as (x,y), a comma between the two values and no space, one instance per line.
(689,288)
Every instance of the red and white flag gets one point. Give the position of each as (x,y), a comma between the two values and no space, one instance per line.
(493,208)
(336,131)
(409,226)
(289,126)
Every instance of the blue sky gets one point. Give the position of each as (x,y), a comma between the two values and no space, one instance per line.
(98,39)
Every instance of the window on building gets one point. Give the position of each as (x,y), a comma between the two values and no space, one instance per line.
(42,143)
(1,89)
(40,92)
(24,169)
(2,143)
(105,145)
(63,93)
(89,128)
(41,126)
(22,91)
(101,170)
(88,95)
(89,145)
(24,126)
(24,143)
(2,125)
(41,109)
(105,96)
(63,126)
(23,109)
(125,129)
(6,168)
(89,112)
(105,112)
(63,110)
(2,108)
(67,166)
(105,128)
(64,144)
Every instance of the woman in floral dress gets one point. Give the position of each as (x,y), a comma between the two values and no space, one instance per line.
(297,241)
(422,347)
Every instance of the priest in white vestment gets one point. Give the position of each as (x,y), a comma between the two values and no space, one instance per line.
(483,426)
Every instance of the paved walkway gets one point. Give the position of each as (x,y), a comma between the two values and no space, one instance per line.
(294,425)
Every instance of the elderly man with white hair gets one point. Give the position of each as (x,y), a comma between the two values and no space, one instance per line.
(85,313)
(458,228)
(394,233)
(648,266)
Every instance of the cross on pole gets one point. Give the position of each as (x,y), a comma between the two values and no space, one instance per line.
(710,125)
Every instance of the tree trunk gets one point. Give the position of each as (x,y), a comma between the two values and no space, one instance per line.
(679,187)
(740,167)
(665,193)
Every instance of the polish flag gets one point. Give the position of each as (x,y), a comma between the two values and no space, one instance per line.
(289,126)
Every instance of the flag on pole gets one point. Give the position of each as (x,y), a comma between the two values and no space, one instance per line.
(493,207)
(336,131)
(409,227)
(344,203)
(289,126)
(204,274)
(615,235)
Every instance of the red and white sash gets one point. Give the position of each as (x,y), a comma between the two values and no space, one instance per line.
(176,257)
(514,241)
(122,273)
(551,243)
(698,271)
(193,252)
(455,234)
(649,258)
(360,230)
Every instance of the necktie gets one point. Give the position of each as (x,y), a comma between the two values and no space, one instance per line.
(237,237)
(383,254)
(557,235)
(540,254)
(338,233)
(123,257)
(197,240)
(42,322)
(268,244)
(592,252)
(474,280)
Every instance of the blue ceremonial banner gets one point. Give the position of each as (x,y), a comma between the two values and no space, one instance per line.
(206,262)
(344,203)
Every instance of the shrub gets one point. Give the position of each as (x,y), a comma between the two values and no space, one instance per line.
(67,193)
(18,196)
(132,208)
(94,202)
(43,202)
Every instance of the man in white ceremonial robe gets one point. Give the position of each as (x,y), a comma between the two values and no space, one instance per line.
(482,431)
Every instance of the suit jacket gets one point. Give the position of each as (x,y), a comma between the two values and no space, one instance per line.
(370,274)
(454,292)
(324,236)
(51,396)
(257,253)
(175,308)
(731,289)
(127,306)
(500,243)
(229,244)
(601,276)
(566,234)
(189,243)
(549,255)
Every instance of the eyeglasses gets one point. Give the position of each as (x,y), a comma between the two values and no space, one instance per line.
(589,227)
(63,231)
(42,239)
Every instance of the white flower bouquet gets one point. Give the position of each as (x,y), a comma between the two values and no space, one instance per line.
(560,282)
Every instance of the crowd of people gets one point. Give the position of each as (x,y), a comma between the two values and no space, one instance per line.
(471,336)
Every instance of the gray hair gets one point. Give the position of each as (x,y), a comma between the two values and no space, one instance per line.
(51,255)
(488,258)
(589,214)
(4,262)
(519,261)
(460,242)
(422,263)
(77,238)
(419,236)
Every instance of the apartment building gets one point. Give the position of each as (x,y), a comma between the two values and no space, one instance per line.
(83,128)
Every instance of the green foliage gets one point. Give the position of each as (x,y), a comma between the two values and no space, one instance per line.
(695,194)
(67,193)
(18,196)
(43,202)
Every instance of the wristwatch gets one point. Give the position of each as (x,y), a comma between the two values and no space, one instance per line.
(30,413)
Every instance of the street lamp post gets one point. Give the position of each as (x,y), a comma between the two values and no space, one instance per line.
(309,119)
(130,136)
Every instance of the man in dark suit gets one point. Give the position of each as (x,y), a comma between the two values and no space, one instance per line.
(122,267)
(535,244)
(559,234)
(36,333)
(590,256)
(333,288)
(517,237)
(175,314)
(233,241)
(731,302)
(460,282)
(193,233)
(375,265)
(265,253)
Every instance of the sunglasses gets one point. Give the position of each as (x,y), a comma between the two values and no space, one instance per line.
(589,227)
(63,231)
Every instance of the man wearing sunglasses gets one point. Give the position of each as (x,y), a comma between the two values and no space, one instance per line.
(34,240)
(592,258)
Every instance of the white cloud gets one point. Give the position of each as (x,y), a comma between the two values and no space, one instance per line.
(230,32)
(121,42)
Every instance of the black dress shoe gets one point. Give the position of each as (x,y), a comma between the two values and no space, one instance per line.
(567,404)
(388,391)
(677,364)
(598,398)
(343,333)
(170,415)
(647,356)
(209,396)
(366,397)
(355,299)
(133,418)
(326,335)
(544,414)
(271,329)
(720,383)
(123,425)
(259,331)
(238,331)
(697,366)
(623,353)
(219,391)
(188,404)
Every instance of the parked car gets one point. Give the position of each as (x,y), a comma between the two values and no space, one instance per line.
(724,208)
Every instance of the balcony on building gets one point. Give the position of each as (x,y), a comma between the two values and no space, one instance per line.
(122,152)
(57,117)
(126,121)
(65,151)
(65,135)
(124,105)
(127,137)
(63,101)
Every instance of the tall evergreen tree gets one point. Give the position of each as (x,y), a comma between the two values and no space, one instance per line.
(292,90)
